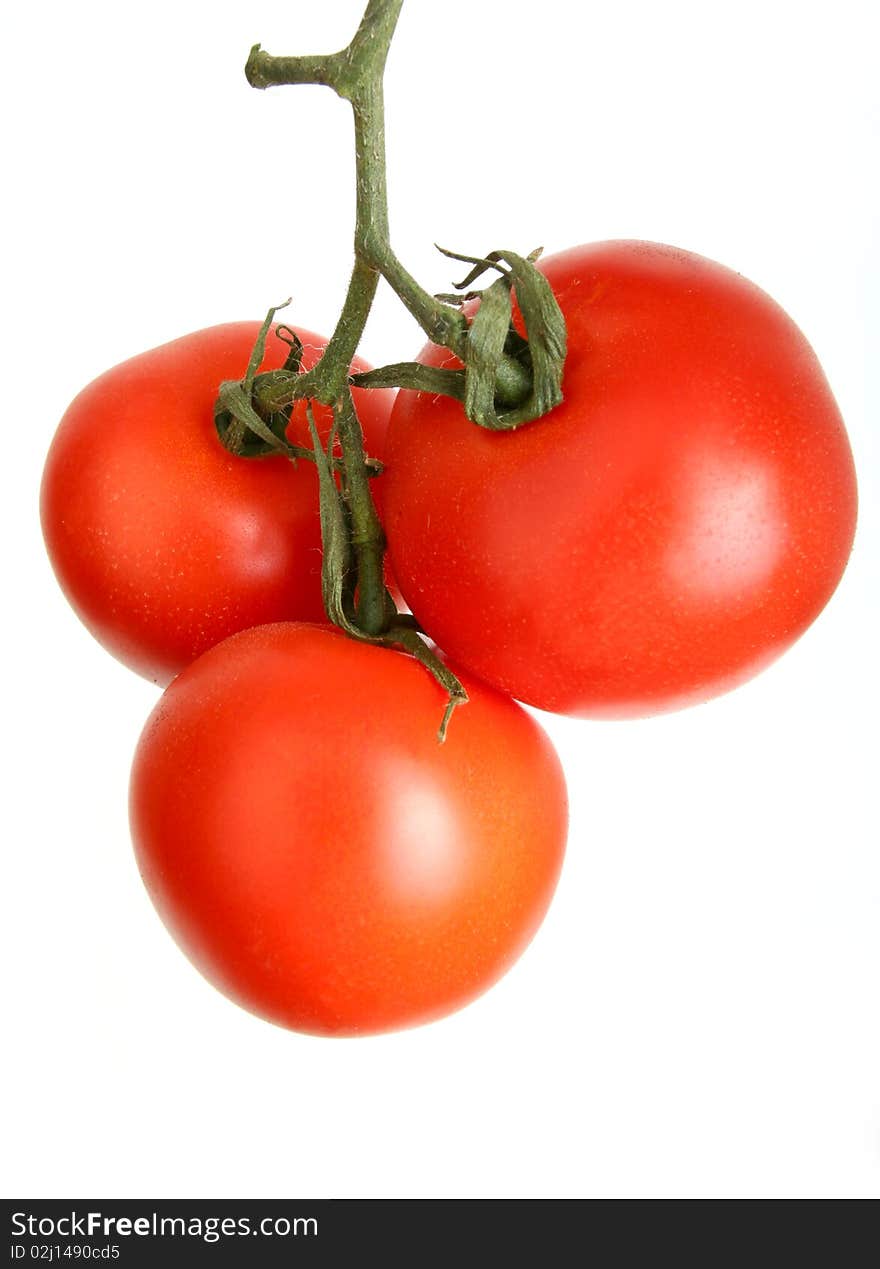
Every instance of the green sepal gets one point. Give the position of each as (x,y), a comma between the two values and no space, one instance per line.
(337,581)
(438,380)
(240,428)
(527,377)
(486,337)
(545,333)
(404,636)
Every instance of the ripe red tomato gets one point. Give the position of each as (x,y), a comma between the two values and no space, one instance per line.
(165,543)
(660,536)
(319,856)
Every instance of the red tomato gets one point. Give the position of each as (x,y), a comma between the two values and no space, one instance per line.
(319,856)
(165,543)
(660,536)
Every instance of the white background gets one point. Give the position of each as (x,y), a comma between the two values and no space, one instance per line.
(699,1013)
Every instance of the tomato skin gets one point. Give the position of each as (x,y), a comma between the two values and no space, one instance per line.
(669,529)
(165,543)
(320,857)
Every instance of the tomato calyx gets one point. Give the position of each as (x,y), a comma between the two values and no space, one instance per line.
(252,415)
(521,374)
(506,379)
(243,429)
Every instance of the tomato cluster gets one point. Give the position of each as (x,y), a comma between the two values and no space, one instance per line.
(654,540)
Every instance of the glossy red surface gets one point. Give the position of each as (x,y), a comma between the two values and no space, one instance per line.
(165,543)
(660,536)
(321,858)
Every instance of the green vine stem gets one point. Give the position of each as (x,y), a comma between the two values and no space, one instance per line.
(356,74)
(372,600)
(504,379)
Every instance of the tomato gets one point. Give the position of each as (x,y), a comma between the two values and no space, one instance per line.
(320,857)
(165,543)
(664,533)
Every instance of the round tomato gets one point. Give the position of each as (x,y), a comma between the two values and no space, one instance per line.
(164,542)
(661,535)
(319,855)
